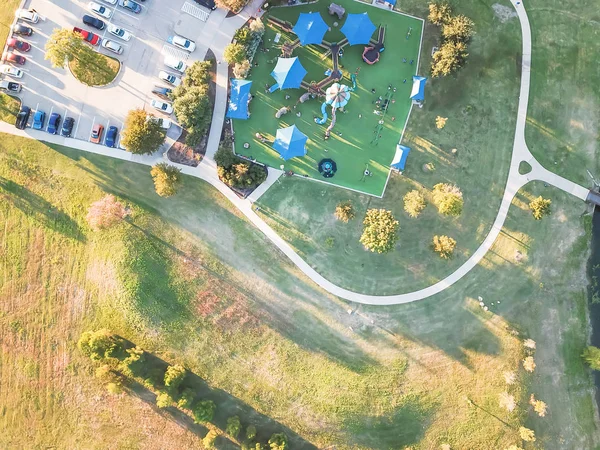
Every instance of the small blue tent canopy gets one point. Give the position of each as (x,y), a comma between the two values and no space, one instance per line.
(310,28)
(358,29)
(400,157)
(238,100)
(290,142)
(288,73)
(391,2)
(418,89)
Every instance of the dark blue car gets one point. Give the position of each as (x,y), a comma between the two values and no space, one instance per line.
(53,123)
(131,6)
(67,127)
(111,137)
(38,120)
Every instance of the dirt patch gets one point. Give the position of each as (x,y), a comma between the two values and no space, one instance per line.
(503,13)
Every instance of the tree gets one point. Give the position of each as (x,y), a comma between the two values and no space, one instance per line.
(232,5)
(439,13)
(449,57)
(209,439)
(507,401)
(458,28)
(174,377)
(444,246)
(197,74)
(510,377)
(440,122)
(186,399)
(539,406)
(166,179)
(204,411)
(240,70)
(140,135)
(591,355)
(526,434)
(235,53)
(164,400)
(414,203)
(344,211)
(278,441)
(257,26)
(64,46)
(540,207)
(448,199)
(529,343)
(105,213)
(250,432)
(529,364)
(134,363)
(380,232)
(192,109)
(235,171)
(99,344)
(233,426)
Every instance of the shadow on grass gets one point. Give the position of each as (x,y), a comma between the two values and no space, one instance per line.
(39,209)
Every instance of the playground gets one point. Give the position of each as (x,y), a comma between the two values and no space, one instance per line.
(338,89)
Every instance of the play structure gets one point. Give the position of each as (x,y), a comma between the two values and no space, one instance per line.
(336,96)
(371,53)
(337,10)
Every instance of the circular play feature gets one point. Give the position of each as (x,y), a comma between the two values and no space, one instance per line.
(327,167)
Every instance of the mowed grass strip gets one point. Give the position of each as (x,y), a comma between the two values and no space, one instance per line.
(100,73)
(9,108)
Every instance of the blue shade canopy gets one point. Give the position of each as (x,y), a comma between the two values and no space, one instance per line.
(400,157)
(238,101)
(310,28)
(358,29)
(418,89)
(288,73)
(290,142)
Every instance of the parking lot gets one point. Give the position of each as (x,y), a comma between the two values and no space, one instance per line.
(56,90)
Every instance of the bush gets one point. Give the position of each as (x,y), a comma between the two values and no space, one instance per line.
(439,13)
(278,441)
(444,246)
(105,213)
(449,58)
(134,363)
(166,179)
(458,28)
(240,70)
(250,432)
(114,388)
(540,207)
(99,344)
(526,434)
(448,199)
(140,135)
(591,355)
(186,399)
(237,172)
(257,26)
(440,122)
(344,211)
(209,439)
(204,411)
(380,231)
(235,53)
(164,400)
(232,5)
(174,376)
(243,36)
(414,203)
(233,427)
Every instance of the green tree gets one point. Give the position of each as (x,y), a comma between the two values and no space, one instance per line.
(233,426)
(458,28)
(414,203)
(540,207)
(204,411)
(234,53)
(439,13)
(235,171)
(278,441)
(99,344)
(448,199)
(250,432)
(209,439)
(449,57)
(344,211)
(140,135)
(243,35)
(591,355)
(134,363)
(174,376)
(444,246)
(192,109)
(64,46)
(166,179)
(380,232)
(197,74)
(164,400)
(186,399)
(526,434)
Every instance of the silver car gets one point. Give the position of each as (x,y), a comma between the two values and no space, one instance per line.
(112,46)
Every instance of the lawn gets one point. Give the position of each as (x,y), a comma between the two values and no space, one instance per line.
(97,73)
(7,15)
(191,281)
(352,143)
(9,108)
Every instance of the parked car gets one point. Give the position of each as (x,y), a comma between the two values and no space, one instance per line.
(111,2)
(11,71)
(175,63)
(27,15)
(210,4)
(119,32)
(100,10)
(38,120)
(162,92)
(96,135)
(19,45)
(14,58)
(131,6)
(184,43)
(87,36)
(169,78)
(53,123)
(111,137)
(23,117)
(112,46)
(94,22)
(164,107)
(10,86)
(22,30)
(67,127)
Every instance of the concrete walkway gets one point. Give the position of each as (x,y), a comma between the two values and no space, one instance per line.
(207,169)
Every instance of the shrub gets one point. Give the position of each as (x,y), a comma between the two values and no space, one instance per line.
(237,172)
(539,406)
(164,400)
(209,439)
(448,58)
(114,388)
(235,53)
(204,411)
(458,28)
(278,441)
(448,199)
(250,432)
(540,207)
(186,399)
(134,362)
(529,364)
(439,13)
(174,376)
(105,213)
(233,426)
(526,434)
(99,344)
(232,5)
(166,179)
(414,203)
(507,401)
(440,122)
(380,232)
(140,135)
(257,26)
(591,355)
(344,211)
(444,246)
(240,70)
(243,36)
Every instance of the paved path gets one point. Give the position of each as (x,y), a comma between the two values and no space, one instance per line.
(207,170)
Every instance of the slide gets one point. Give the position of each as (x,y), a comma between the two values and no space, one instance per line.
(353,78)
(324,112)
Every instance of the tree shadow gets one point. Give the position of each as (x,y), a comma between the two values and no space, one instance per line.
(39,209)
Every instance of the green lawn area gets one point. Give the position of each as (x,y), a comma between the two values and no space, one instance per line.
(7,15)
(354,149)
(9,108)
(97,73)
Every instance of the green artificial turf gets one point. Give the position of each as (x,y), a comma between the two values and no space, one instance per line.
(351,143)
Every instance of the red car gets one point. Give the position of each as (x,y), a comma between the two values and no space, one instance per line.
(87,36)
(14,58)
(19,45)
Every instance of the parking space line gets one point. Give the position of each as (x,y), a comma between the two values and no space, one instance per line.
(66,112)
(37,107)
(90,135)
(78,120)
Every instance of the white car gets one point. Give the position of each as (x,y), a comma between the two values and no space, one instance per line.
(175,63)
(27,15)
(165,107)
(119,32)
(11,71)
(100,10)
(111,2)
(112,46)
(186,44)
(165,124)
(169,78)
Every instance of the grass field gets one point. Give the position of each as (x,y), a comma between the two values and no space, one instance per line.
(9,108)
(7,15)
(100,73)
(353,150)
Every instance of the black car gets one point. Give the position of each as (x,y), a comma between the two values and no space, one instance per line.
(210,4)
(67,127)
(162,92)
(94,22)
(23,117)
(22,30)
